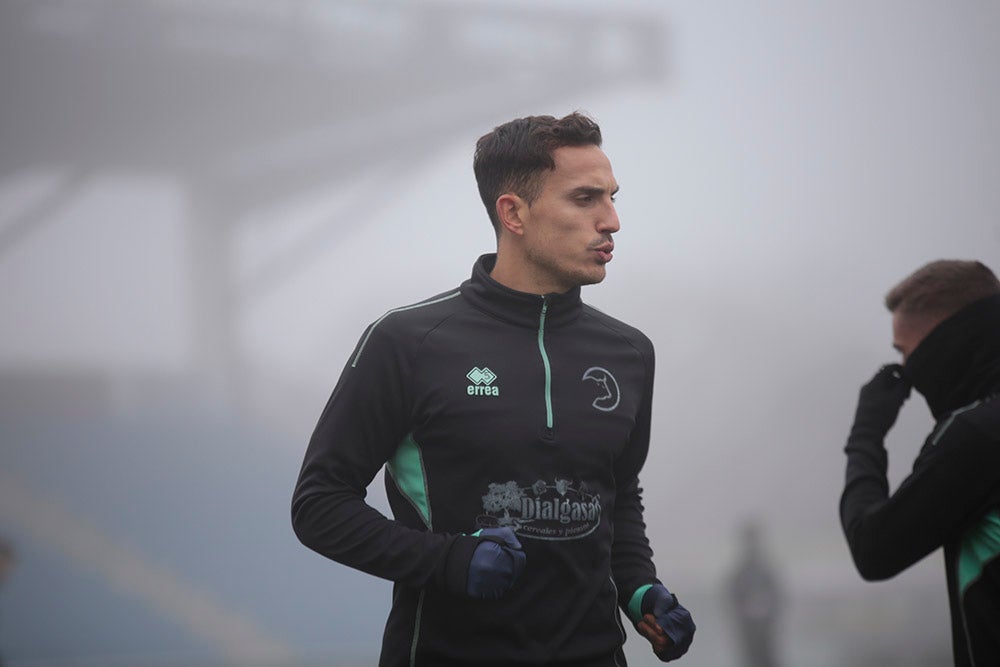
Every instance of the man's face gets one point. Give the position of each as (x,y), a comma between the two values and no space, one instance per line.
(568,228)
(909,330)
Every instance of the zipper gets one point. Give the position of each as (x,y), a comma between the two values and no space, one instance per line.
(547,433)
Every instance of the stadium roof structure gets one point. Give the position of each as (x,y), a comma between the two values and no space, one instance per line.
(254,102)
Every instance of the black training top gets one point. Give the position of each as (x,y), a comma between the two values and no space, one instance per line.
(952,497)
(490,407)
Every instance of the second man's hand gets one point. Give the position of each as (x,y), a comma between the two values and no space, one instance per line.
(879,402)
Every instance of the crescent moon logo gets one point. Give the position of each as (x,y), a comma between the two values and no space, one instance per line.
(610,395)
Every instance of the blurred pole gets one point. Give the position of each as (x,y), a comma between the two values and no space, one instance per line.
(6,565)
(217,350)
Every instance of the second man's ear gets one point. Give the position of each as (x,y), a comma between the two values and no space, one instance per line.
(511,211)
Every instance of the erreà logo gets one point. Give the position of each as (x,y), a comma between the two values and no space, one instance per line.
(482,382)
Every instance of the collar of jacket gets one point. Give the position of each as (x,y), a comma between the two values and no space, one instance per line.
(516,307)
(959,360)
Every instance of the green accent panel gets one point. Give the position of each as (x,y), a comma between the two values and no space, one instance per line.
(407,467)
(979,546)
(545,361)
(635,604)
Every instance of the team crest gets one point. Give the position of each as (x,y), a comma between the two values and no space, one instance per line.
(608,393)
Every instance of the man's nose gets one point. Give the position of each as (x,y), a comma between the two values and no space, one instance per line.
(609,222)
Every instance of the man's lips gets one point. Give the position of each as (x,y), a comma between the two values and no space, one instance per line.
(604,252)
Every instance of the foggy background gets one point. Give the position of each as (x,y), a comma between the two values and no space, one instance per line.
(203,204)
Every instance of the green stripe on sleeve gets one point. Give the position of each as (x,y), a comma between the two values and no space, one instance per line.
(635,604)
(407,468)
(979,546)
(364,341)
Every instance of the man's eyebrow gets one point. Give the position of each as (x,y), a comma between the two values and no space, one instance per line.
(592,190)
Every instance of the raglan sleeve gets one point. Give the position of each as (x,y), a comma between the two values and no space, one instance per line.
(365,419)
(954,480)
(631,556)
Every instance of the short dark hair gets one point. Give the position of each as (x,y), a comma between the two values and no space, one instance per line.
(515,155)
(942,288)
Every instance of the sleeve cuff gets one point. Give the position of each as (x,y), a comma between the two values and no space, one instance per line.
(455,575)
(635,603)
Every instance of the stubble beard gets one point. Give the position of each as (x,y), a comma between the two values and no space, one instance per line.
(569,277)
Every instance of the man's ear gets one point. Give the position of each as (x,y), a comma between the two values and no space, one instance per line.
(511,211)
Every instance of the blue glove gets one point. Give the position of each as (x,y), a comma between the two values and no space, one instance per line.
(672,617)
(496,563)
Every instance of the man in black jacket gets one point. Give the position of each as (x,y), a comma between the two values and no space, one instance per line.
(513,421)
(946,325)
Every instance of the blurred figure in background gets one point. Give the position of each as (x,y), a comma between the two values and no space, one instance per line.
(946,326)
(755,600)
(513,421)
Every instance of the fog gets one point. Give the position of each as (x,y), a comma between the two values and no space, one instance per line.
(202,205)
